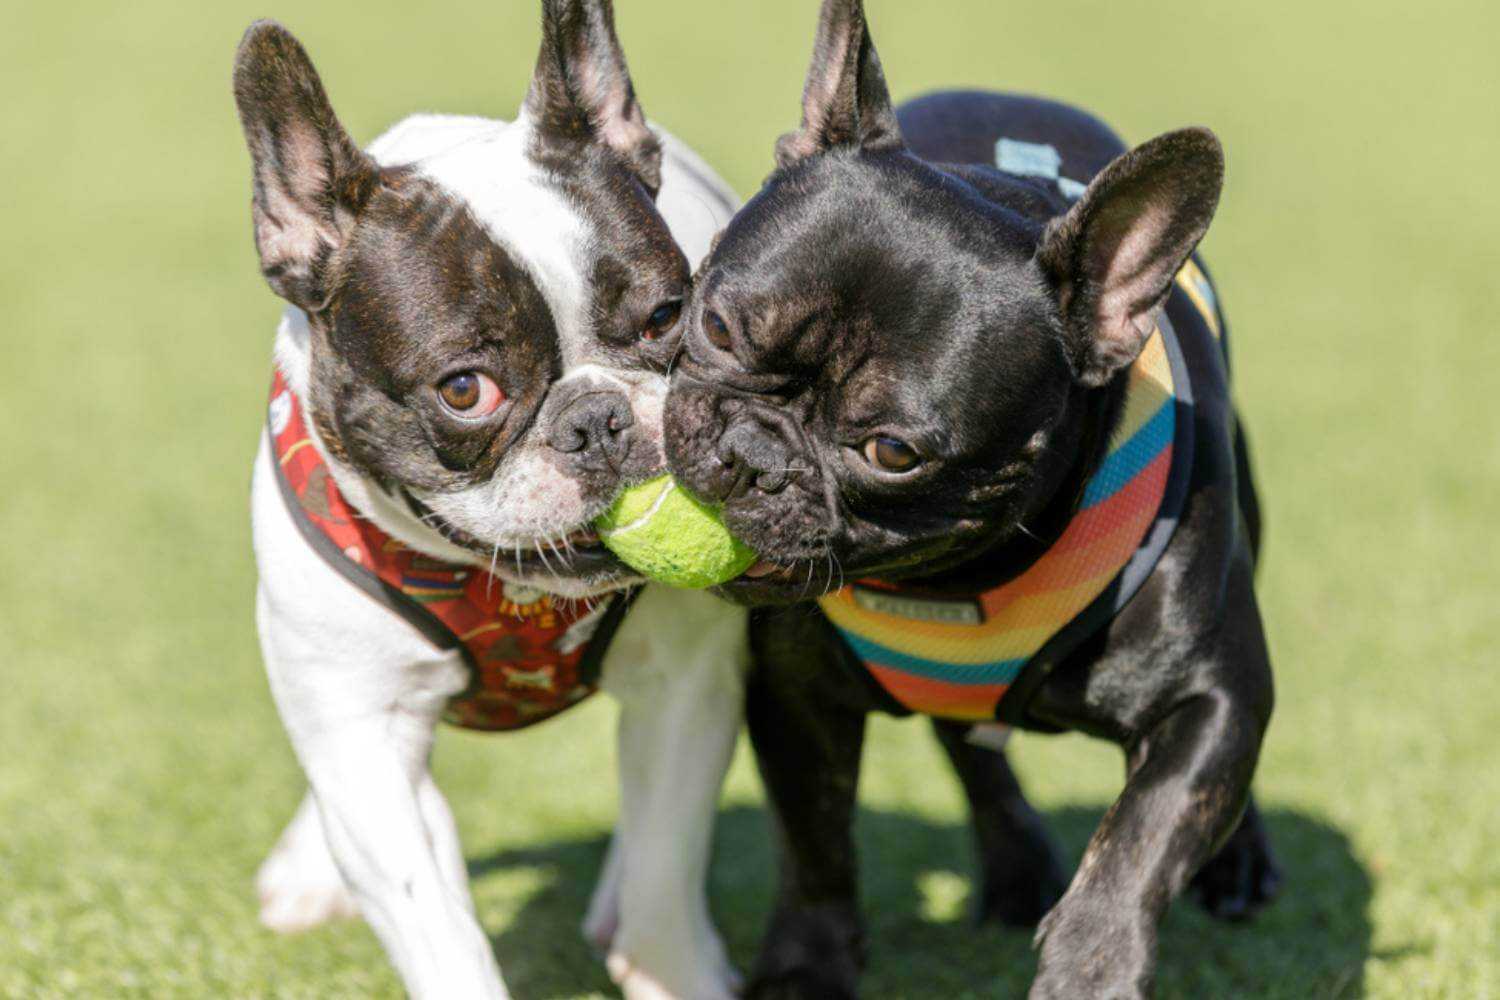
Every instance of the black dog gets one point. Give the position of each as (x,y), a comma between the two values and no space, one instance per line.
(937,380)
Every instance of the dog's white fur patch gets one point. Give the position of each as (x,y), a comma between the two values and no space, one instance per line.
(488,169)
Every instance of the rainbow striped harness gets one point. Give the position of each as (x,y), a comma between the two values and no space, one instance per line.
(979,658)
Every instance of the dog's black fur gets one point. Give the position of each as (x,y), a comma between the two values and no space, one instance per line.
(869,307)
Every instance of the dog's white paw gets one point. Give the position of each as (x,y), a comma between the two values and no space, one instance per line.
(721,982)
(636,984)
(299,885)
(296,897)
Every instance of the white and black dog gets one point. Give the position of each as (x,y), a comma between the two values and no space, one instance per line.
(474,363)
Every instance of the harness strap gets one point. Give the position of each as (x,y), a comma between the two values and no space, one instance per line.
(529,655)
(1012,708)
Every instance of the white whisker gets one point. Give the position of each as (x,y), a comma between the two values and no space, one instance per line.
(489,582)
(543,556)
(676,355)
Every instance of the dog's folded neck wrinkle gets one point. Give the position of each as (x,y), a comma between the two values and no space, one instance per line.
(1098,412)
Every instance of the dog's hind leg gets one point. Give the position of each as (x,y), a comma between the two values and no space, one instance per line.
(1243,877)
(298,884)
(1021,875)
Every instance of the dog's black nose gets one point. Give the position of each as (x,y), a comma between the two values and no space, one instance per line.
(754,456)
(594,427)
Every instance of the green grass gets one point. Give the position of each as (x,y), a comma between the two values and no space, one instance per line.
(143,772)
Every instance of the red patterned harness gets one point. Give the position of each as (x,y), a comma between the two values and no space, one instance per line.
(530,654)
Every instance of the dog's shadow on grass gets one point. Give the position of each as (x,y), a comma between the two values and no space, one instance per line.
(1312,942)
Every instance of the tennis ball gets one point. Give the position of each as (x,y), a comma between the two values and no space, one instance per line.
(665,534)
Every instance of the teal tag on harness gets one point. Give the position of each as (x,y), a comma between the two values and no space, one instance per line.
(1035,159)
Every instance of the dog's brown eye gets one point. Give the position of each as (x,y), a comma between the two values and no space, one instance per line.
(716,330)
(470,395)
(891,455)
(662,321)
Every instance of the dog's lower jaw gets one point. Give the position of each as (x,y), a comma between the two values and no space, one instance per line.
(579,566)
(582,588)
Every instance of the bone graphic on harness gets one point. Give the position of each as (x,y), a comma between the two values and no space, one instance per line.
(541,679)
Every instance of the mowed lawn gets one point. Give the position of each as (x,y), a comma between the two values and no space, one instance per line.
(143,772)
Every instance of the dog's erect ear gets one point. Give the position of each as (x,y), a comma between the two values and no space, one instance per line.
(845,101)
(310,179)
(1111,259)
(582,87)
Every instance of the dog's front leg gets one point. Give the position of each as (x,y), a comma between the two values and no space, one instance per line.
(1189,780)
(360,694)
(677,669)
(300,885)
(806,716)
(368,781)
(388,828)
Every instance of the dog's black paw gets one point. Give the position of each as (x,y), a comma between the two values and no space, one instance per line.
(811,952)
(803,984)
(1243,877)
(1020,881)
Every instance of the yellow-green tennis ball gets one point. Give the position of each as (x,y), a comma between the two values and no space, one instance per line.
(666,535)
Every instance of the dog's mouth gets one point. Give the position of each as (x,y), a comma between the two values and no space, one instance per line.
(575,552)
(773,583)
